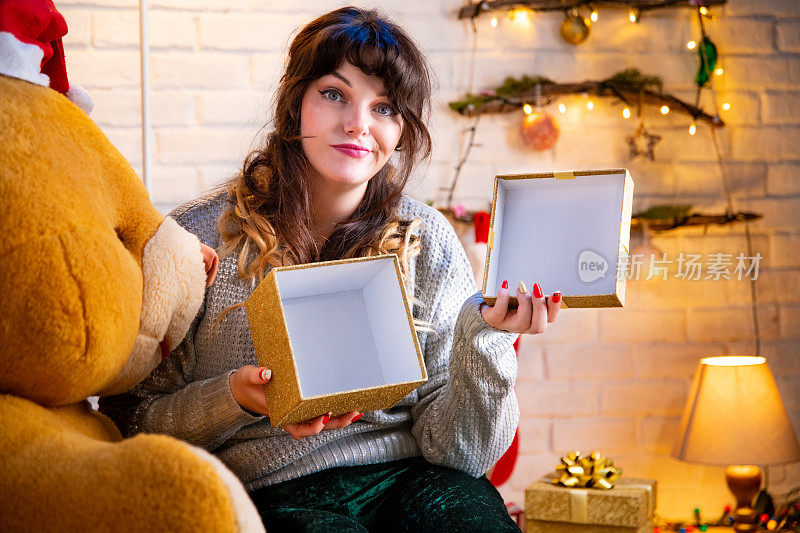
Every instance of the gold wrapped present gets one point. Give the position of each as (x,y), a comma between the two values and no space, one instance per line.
(339,336)
(627,507)
(567,231)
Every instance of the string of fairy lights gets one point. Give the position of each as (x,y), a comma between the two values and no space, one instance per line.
(540,130)
(521,17)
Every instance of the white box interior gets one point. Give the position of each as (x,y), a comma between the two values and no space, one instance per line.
(542,225)
(348,327)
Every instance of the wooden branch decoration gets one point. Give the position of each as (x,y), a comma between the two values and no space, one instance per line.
(695,219)
(637,221)
(476,9)
(499,104)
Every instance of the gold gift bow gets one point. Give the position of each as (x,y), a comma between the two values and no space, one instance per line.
(594,471)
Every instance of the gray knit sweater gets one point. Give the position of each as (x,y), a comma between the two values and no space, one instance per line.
(463,417)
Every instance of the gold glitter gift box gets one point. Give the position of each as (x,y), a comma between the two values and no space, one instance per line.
(338,335)
(567,231)
(626,508)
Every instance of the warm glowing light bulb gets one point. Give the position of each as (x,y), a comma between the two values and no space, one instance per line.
(562,108)
(664,110)
(626,113)
(632,15)
(594,16)
(692,129)
(520,16)
(690,45)
(493,22)
(726,106)
(718,72)
(528,109)
(589,105)
(703,10)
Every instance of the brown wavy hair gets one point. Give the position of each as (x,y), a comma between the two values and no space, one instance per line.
(269,219)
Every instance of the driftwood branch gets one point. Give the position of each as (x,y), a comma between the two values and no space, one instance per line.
(477,8)
(696,219)
(630,96)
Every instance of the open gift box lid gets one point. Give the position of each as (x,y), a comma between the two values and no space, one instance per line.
(338,336)
(567,231)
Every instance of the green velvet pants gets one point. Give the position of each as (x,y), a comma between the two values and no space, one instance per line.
(408,495)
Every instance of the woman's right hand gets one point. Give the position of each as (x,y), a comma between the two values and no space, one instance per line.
(247,386)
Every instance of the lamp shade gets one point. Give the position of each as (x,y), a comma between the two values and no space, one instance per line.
(734,416)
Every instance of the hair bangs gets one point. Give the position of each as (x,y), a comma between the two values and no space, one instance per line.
(371,46)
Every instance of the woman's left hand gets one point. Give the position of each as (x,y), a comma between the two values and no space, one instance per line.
(533,313)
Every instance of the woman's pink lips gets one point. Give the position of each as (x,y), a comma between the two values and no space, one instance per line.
(352,150)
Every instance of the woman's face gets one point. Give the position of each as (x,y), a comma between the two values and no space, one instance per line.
(349,127)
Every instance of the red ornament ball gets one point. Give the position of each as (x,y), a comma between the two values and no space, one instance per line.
(540,130)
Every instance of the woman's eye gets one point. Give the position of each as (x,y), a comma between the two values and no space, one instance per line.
(385,110)
(331,94)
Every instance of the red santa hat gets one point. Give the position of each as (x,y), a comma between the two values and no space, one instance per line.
(31,47)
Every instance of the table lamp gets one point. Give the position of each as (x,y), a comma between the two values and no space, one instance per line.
(734,417)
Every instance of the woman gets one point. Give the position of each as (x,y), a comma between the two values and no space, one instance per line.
(354,95)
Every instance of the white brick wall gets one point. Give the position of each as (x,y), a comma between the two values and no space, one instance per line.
(610,379)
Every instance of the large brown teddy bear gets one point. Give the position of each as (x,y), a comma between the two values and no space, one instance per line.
(95,285)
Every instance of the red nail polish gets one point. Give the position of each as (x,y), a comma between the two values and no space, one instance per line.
(537,291)
(326,418)
(359,415)
(505,284)
(265,374)
(556,297)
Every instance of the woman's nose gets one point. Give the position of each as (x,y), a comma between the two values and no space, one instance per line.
(356,121)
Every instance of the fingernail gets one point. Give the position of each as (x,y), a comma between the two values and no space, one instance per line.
(359,415)
(522,288)
(265,374)
(556,297)
(326,418)
(537,291)
(505,284)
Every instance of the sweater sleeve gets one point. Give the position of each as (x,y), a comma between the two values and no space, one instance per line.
(467,410)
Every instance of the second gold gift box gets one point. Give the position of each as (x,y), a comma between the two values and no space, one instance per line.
(567,231)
